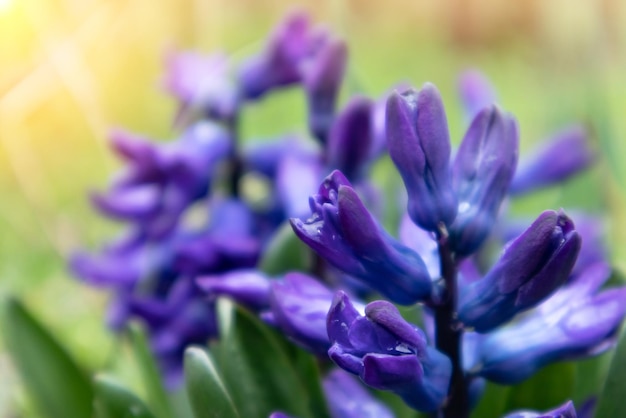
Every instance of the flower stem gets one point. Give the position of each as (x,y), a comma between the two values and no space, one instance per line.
(236,165)
(449,335)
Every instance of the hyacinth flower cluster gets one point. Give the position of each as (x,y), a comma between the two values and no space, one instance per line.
(190,232)
(541,301)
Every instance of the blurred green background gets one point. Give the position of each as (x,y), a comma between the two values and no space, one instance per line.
(72,69)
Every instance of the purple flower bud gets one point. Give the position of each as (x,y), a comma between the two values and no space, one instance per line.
(342,231)
(566,154)
(476,92)
(298,307)
(576,322)
(350,142)
(322,81)
(280,64)
(387,352)
(248,287)
(482,172)
(347,398)
(566,410)
(419,145)
(530,269)
(201,82)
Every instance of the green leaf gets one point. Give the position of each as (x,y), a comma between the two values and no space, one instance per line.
(550,387)
(152,379)
(611,401)
(257,370)
(308,371)
(113,400)
(207,393)
(57,385)
(285,252)
(493,402)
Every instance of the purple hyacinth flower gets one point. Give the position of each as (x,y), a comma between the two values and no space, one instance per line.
(322,80)
(342,231)
(576,322)
(201,83)
(566,154)
(476,92)
(250,288)
(280,63)
(530,269)
(387,352)
(298,307)
(347,398)
(419,145)
(481,175)
(350,142)
(162,180)
(228,242)
(566,410)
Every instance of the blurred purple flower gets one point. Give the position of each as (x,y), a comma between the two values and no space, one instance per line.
(531,267)
(476,92)
(322,79)
(347,398)
(343,232)
(162,180)
(576,322)
(291,44)
(387,352)
(349,147)
(201,83)
(567,153)
(248,287)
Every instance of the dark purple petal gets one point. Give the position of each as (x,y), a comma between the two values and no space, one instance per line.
(340,317)
(383,371)
(529,270)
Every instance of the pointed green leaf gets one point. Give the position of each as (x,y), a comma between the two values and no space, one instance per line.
(113,400)
(611,401)
(152,379)
(57,385)
(207,393)
(285,252)
(258,372)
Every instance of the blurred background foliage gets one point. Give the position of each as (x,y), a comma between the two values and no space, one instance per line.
(72,69)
